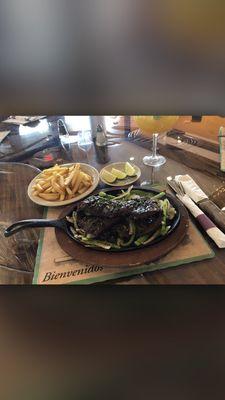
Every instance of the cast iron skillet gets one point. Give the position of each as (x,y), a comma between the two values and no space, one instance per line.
(65,225)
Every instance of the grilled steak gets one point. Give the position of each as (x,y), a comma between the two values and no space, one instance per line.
(149,226)
(136,209)
(97,215)
(94,226)
(104,228)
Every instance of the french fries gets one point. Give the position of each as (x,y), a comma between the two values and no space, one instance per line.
(61,183)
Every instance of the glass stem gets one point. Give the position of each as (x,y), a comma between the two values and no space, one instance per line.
(154,145)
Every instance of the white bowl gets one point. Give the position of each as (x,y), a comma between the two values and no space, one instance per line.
(88,169)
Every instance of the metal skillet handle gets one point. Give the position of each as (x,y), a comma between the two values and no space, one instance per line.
(33,223)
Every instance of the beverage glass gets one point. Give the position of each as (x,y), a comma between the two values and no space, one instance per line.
(151,126)
(85,142)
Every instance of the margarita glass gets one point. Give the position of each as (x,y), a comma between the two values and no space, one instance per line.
(152,125)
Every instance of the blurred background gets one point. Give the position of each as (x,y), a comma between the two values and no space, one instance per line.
(112,58)
(104,57)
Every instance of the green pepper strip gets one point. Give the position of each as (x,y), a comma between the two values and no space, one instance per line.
(130,241)
(124,194)
(107,196)
(74,215)
(141,240)
(99,243)
(158,196)
(154,236)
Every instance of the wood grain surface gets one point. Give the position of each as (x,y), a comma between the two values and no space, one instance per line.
(17,254)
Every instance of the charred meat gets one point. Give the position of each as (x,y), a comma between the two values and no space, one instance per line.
(137,208)
(149,226)
(96,216)
(128,220)
(94,226)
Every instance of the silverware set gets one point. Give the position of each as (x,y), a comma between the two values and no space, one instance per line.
(176,186)
(206,223)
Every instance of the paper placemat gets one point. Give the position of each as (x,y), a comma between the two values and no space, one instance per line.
(47,271)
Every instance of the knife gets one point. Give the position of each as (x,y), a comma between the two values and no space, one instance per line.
(201,199)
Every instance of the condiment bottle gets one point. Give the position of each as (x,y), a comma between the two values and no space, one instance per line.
(101,147)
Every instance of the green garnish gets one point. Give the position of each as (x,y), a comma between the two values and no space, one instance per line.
(116,240)
(124,194)
(132,231)
(141,240)
(106,195)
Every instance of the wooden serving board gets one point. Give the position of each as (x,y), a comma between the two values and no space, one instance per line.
(129,258)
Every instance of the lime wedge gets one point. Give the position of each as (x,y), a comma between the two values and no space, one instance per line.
(108,177)
(130,171)
(118,174)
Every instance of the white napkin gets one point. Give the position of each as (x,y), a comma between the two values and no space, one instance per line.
(3,134)
(210,228)
(191,188)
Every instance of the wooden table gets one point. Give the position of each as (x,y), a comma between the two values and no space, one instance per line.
(17,254)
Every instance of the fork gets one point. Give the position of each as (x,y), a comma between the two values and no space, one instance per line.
(175,186)
(209,227)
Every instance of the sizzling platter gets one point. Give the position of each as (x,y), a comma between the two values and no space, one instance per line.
(158,241)
(123,220)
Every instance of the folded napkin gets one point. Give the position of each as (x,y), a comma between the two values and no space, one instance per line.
(212,231)
(209,207)
(3,134)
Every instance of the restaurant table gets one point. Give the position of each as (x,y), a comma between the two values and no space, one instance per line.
(18,253)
